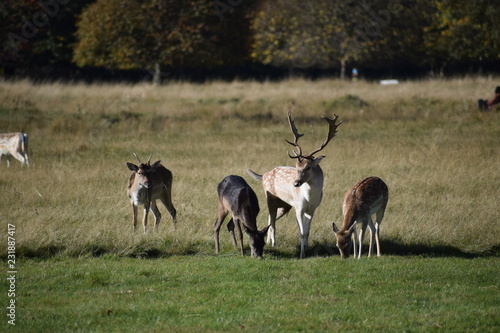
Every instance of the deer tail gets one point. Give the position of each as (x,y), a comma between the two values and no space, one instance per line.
(254,175)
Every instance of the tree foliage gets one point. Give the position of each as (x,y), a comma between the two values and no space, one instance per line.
(128,34)
(464,31)
(325,33)
(37,32)
(207,34)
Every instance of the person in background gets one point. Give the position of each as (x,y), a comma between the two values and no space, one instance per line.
(487,104)
(355,74)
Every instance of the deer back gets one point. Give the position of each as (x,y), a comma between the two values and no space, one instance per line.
(364,198)
(240,199)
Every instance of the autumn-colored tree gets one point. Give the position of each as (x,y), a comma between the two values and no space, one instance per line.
(400,30)
(322,34)
(464,31)
(294,33)
(127,34)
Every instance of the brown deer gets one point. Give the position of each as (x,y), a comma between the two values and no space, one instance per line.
(300,187)
(238,198)
(367,197)
(146,184)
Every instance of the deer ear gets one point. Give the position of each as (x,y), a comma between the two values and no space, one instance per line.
(132,167)
(352,228)
(248,230)
(335,229)
(155,164)
(318,159)
(265,230)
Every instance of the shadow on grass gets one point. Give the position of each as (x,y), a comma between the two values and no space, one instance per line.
(44,252)
(393,248)
(317,249)
(389,247)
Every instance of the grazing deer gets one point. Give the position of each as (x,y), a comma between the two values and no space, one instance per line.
(300,187)
(146,184)
(14,144)
(238,198)
(366,198)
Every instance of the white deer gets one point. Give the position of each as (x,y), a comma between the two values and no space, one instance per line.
(14,144)
(367,197)
(300,187)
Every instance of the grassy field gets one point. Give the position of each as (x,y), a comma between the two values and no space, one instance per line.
(74,241)
(234,294)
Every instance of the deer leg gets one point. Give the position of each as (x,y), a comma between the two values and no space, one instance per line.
(378,221)
(145,217)
(167,201)
(273,210)
(372,236)
(277,209)
(304,221)
(230,228)
(271,238)
(377,239)
(19,157)
(240,234)
(361,236)
(353,240)
(27,159)
(134,217)
(156,213)
(217,225)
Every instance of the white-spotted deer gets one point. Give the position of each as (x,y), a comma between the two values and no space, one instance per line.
(364,199)
(146,184)
(300,187)
(238,198)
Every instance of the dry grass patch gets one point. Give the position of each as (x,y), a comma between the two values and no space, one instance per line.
(437,153)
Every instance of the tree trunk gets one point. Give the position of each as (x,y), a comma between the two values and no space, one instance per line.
(157,75)
(342,69)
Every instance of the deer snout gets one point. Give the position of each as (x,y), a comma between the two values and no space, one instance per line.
(297,183)
(146,184)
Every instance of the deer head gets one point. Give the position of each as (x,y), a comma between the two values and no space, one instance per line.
(344,240)
(307,163)
(143,171)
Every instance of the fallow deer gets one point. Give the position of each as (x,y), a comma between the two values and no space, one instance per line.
(300,187)
(238,198)
(146,184)
(14,144)
(367,197)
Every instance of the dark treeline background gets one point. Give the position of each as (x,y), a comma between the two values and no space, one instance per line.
(136,40)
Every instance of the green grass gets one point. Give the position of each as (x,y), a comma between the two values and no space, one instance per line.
(78,258)
(230,293)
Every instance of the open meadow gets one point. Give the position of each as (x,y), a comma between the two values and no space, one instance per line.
(80,267)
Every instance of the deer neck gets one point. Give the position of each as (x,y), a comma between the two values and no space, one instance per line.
(312,190)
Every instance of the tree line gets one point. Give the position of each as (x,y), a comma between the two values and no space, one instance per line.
(160,37)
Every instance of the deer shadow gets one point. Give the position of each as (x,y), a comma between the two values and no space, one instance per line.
(389,247)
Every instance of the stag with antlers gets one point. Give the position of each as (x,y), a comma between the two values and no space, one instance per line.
(300,187)
(146,184)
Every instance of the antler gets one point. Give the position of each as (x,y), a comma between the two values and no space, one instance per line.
(296,136)
(137,157)
(332,129)
(149,160)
